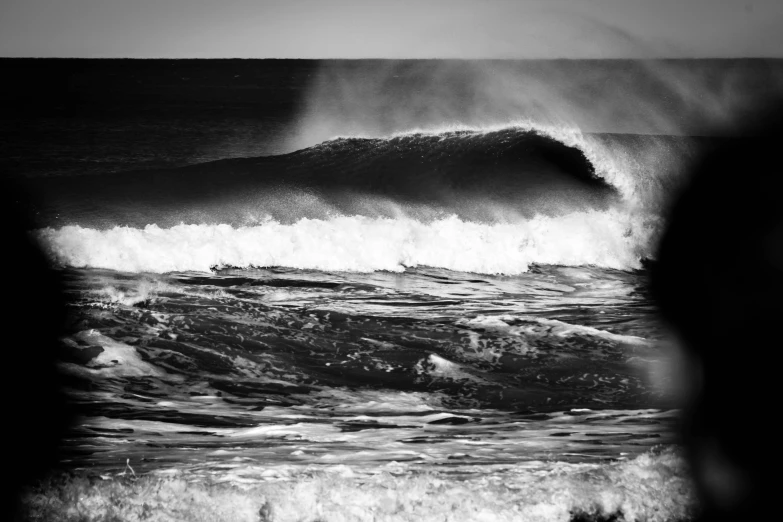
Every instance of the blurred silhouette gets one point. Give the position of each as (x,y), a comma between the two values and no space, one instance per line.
(37,413)
(719,282)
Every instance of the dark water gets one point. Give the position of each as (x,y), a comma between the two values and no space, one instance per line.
(281,267)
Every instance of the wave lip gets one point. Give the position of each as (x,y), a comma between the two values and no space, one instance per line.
(608,239)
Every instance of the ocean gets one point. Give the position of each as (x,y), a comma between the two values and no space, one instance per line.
(366,290)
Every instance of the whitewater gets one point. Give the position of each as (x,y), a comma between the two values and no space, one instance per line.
(358,244)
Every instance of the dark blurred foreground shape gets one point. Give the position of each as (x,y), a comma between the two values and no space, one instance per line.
(719,283)
(35,412)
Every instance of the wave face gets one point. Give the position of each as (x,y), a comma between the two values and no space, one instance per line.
(468,173)
(484,200)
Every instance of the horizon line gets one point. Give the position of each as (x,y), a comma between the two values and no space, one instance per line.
(613,58)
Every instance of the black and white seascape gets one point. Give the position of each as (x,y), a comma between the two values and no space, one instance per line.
(304,290)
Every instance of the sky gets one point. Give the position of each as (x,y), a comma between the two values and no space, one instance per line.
(391,28)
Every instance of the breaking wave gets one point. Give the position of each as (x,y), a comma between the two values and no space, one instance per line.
(492,200)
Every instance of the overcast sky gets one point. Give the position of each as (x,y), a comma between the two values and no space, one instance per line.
(391,28)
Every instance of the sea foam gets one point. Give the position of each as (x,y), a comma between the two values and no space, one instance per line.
(610,239)
(654,486)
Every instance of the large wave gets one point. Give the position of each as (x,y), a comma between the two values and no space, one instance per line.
(492,200)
